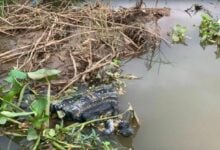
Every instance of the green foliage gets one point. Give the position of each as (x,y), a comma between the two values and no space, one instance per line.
(3,120)
(116,62)
(106,145)
(15,75)
(16,79)
(178,34)
(210,32)
(37,116)
(38,106)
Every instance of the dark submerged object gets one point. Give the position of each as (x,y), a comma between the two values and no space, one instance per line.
(90,105)
(125,129)
(109,127)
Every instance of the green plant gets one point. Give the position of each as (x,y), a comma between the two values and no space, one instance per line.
(178,34)
(210,32)
(38,117)
(36,126)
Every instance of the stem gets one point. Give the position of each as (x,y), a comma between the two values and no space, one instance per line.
(13,105)
(14,134)
(62,142)
(47,111)
(14,121)
(22,94)
(58,146)
(36,143)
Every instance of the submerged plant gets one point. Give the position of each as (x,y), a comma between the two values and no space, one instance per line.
(178,34)
(210,32)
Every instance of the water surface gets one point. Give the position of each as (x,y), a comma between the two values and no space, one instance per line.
(178,103)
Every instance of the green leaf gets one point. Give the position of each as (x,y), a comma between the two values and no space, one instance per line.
(32,134)
(43,73)
(38,106)
(15,114)
(15,90)
(3,120)
(38,121)
(15,74)
(206,16)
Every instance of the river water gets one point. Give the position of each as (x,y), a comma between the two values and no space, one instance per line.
(177,100)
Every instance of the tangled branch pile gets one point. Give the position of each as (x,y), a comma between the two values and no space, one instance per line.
(77,41)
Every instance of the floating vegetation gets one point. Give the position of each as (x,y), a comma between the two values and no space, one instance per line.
(210,32)
(178,34)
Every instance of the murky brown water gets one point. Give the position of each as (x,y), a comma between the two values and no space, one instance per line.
(178,103)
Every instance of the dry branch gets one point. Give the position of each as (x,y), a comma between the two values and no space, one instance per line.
(76,41)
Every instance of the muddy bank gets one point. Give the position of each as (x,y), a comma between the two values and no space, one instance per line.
(78,42)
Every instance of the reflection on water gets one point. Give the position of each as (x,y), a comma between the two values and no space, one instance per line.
(178,103)
(8,144)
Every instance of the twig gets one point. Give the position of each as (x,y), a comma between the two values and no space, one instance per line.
(74,63)
(33,50)
(94,67)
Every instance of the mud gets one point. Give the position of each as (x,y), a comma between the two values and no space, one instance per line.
(77,42)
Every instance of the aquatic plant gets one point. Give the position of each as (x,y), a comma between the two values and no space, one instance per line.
(210,32)
(36,124)
(32,121)
(178,34)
